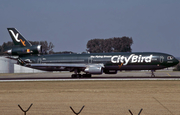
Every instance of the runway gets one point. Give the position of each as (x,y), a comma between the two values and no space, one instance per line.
(65,76)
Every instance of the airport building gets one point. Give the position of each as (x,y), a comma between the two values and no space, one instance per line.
(11,66)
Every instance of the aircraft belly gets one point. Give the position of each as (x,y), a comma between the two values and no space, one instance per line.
(134,67)
(51,68)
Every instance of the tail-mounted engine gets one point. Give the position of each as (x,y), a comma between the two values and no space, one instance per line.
(35,49)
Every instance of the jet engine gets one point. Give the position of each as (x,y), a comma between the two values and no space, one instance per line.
(35,49)
(94,69)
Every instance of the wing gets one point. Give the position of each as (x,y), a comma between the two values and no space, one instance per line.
(59,65)
(76,67)
(67,67)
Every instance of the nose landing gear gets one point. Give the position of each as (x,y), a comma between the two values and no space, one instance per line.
(152,73)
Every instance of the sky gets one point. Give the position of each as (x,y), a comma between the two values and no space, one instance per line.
(154,25)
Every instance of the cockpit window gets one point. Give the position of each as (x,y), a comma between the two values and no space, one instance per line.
(170,58)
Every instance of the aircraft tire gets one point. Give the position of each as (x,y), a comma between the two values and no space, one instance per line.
(73,76)
(86,75)
(78,75)
(153,75)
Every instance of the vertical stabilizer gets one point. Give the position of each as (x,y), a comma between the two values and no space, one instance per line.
(17,38)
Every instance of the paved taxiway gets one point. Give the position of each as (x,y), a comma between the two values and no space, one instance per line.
(131,75)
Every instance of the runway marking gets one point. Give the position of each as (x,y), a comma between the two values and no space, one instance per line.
(168,74)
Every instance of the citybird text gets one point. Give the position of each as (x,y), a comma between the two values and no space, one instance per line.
(132,59)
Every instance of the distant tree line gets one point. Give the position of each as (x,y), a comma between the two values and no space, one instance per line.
(5,46)
(116,44)
(64,52)
(47,47)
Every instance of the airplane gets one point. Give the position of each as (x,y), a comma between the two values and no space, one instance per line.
(91,63)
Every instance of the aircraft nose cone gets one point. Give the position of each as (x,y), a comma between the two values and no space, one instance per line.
(175,61)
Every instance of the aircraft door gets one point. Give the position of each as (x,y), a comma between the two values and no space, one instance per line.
(39,60)
(161,59)
(89,60)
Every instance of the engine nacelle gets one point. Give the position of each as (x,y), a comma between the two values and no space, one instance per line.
(94,69)
(110,71)
(35,49)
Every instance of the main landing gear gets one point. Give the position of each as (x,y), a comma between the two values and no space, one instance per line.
(78,75)
(81,76)
(152,73)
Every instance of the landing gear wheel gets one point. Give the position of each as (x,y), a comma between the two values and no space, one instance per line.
(73,76)
(152,73)
(86,75)
(76,76)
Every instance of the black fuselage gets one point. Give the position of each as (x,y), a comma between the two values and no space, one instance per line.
(111,61)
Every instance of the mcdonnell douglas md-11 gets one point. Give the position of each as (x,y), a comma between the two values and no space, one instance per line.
(93,63)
